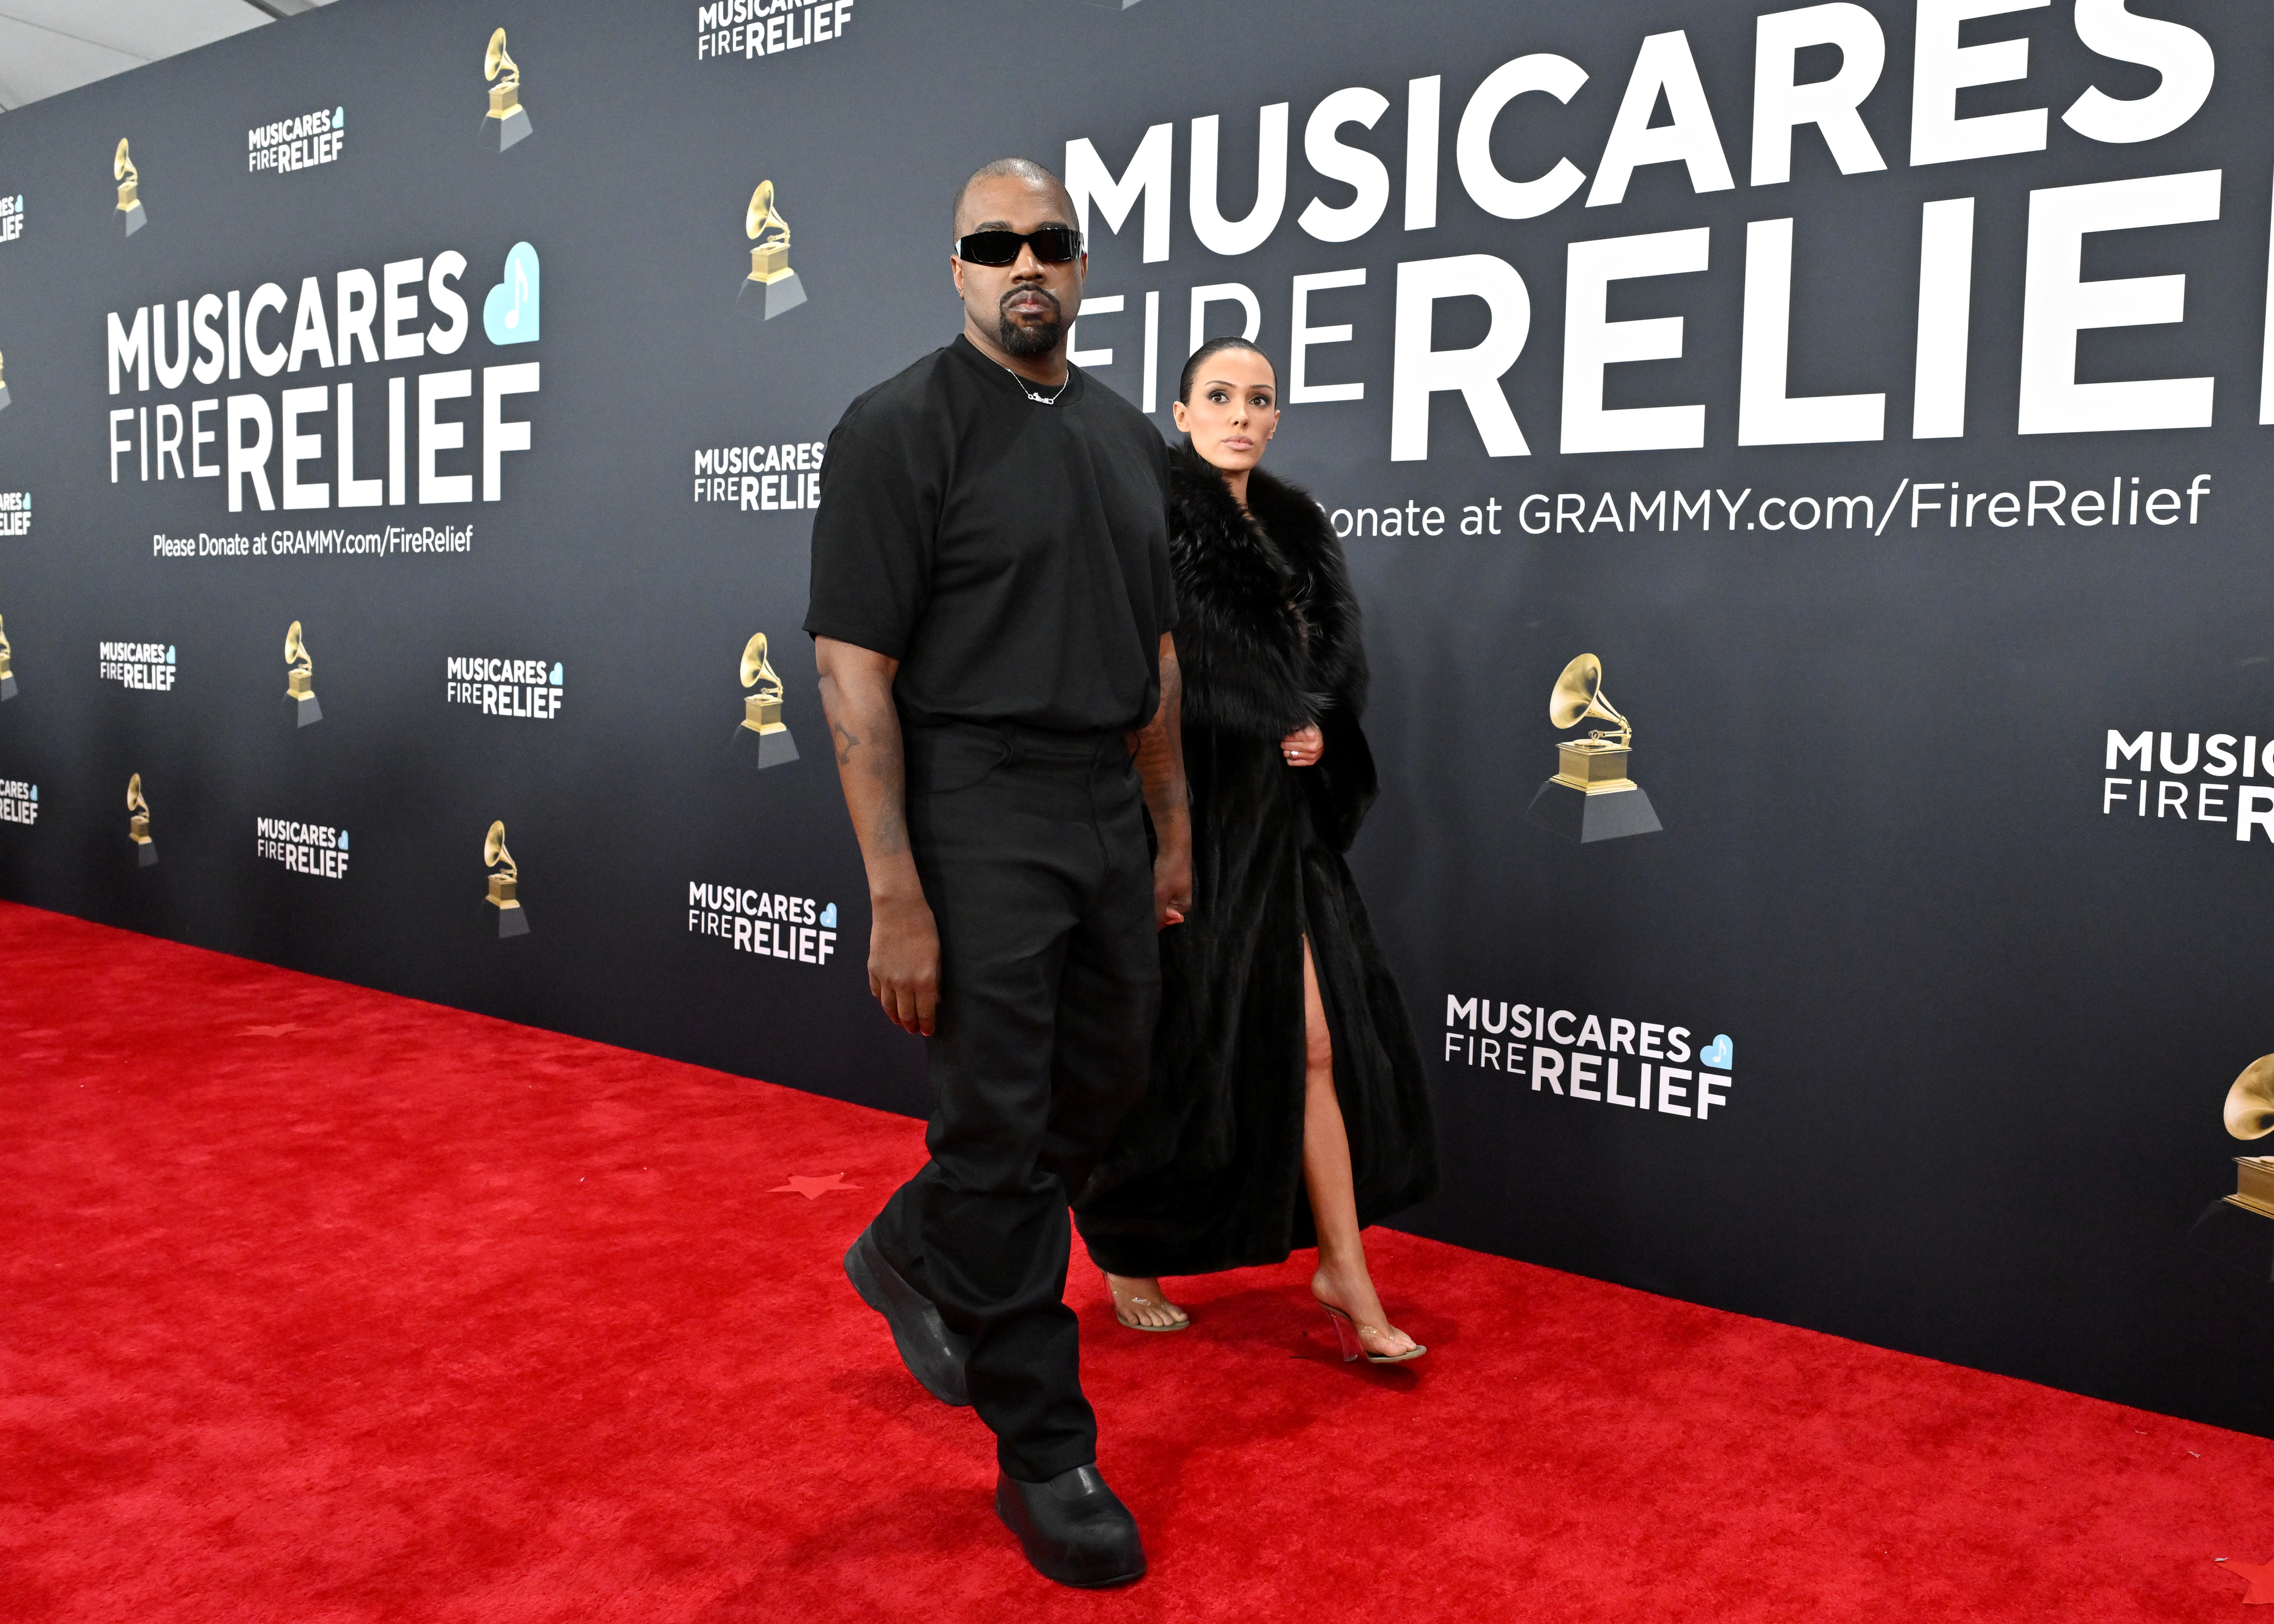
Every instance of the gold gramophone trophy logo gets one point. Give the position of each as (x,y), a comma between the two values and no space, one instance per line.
(763,738)
(299,679)
(7,666)
(507,120)
(772,287)
(512,920)
(138,824)
(1591,798)
(4,383)
(130,204)
(2250,1116)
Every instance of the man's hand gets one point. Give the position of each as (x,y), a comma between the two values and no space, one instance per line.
(904,961)
(1304,745)
(1172,884)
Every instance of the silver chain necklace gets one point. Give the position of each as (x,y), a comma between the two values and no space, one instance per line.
(1027,390)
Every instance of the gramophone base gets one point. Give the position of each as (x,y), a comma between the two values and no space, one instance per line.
(499,133)
(2238,1236)
(304,708)
(512,918)
(146,853)
(3,397)
(1583,819)
(763,301)
(773,748)
(132,219)
(7,688)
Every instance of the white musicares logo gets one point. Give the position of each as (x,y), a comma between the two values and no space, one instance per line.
(770,924)
(1645,1065)
(748,28)
(316,849)
(2193,778)
(291,145)
(519,687)
(785,478)
(147,668)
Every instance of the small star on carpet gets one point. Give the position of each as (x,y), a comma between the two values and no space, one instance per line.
(812,1189)
(2261,1576)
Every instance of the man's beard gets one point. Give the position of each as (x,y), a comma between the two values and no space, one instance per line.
(1039,339)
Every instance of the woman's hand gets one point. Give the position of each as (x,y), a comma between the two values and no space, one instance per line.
(1304,745)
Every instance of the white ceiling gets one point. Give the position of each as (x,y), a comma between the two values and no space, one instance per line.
(48,46)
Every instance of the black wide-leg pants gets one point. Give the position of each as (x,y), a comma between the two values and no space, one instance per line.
(1033,853)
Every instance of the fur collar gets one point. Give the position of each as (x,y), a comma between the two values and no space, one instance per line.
(1249,665)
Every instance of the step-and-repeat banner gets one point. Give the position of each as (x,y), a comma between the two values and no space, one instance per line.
(1806,472)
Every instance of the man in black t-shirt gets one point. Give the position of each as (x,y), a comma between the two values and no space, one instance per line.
(991,610)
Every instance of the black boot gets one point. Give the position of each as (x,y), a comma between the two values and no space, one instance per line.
(1075,1530)
(934,1354)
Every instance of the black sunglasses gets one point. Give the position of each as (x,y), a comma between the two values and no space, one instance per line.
(1052,245)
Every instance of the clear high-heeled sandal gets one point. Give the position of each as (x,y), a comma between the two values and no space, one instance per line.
(1351,1335)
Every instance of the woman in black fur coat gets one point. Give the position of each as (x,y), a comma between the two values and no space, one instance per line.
(1287,1106)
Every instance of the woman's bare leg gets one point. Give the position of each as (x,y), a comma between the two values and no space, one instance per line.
(1342,1279)
(1140,1301)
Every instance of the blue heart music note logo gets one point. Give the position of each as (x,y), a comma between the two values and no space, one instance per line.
(1716,1054)
(509,314)
(829,917)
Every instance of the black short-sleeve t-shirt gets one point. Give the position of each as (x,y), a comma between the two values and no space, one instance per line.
(1012,557)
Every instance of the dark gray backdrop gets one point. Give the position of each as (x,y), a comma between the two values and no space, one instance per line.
(1982,1028)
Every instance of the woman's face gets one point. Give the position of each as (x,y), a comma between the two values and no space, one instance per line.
(1234,410)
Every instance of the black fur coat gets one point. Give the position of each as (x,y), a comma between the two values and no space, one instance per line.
(1207,1174)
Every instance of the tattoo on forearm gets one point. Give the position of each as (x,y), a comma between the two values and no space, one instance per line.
(891,827)
(869,763)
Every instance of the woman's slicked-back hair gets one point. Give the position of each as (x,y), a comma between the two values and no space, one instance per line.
(1215,346)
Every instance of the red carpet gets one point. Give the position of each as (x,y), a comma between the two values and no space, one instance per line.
(326,1307)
